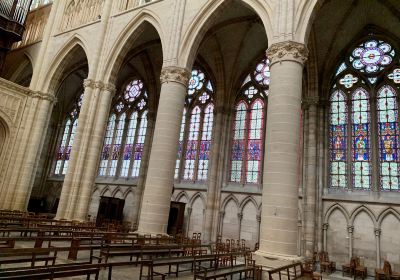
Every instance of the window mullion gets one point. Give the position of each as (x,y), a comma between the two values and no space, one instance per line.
(374,143)
(184,144)
(114,135)
(349,140)
(122,148)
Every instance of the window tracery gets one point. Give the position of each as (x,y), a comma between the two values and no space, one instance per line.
(363,104)
(196,129)
(249,127)
(65,146)
(126,133)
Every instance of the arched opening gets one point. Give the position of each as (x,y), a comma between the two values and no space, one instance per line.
(18,69)
(126,145)
(227,51)
(59,138)
(351,71)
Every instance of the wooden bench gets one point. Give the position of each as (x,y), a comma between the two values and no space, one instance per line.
(139,253)
(213,259)
(291,271)
(250,271)
(65,271)
(27,257)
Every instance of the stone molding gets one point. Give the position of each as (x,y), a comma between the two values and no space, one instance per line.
(175,74)
(99,85)
(287,51)
(27,91)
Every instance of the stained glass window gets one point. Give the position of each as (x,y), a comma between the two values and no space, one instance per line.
(126,133)
(368,72)
(65,146)
(361,139)
(388,138)
(248,127)
(196,130)
(338,139)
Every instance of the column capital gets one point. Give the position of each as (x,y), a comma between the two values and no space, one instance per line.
(325,226)
(240,216)
(287,51)
(88,83)
(109,87)
(44,96)
(175,74)
(350,229)
(377,232)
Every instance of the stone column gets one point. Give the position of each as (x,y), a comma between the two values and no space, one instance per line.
(378,247)
(189,215)
(212,190)
(82,169)
(325,236)
(240,217)
(157,193)
(74,171)
(278,238)
(93,150)
(310,179)
(17,197)
(350,230)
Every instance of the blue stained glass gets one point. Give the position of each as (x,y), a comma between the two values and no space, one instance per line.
(338,142)
(361,145)
(388,138)
(205,150)
(255,150)
(238,150)
(388,143)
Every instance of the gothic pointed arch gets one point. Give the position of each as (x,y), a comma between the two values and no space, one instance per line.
(364,116)
(195,138)
(248,127)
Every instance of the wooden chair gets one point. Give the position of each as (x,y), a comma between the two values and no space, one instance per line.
(326,265)
(360,270)
(349,267)
(308,270)
(383,274)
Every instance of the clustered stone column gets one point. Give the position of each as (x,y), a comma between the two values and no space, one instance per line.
(156,199)
(82,170)
(278,238)
(29,149)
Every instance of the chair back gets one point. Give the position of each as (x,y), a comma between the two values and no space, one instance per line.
(387,268)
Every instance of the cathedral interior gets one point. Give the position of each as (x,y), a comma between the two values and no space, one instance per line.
(256,134)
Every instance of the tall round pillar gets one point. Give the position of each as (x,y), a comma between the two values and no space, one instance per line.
(279,231)
(158,188)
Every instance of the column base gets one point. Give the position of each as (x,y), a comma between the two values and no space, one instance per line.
(272,260)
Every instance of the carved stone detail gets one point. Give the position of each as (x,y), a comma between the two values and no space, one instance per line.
(175,74)
(288,51)
(88,83)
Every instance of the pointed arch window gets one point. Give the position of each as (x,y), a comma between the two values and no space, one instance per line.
(126,132)
(196,129)
(65,146)
(247,148)
(369,75)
